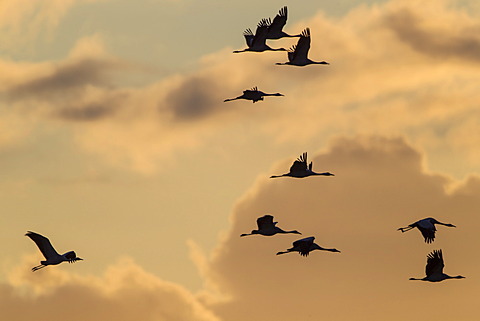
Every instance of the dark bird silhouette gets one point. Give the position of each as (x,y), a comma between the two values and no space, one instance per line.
(253,94)
(257,42)
(51,256)
(427,227)
(297,55)
(305,246)
(434,268)
(299,169)
(275,27)
(267,227)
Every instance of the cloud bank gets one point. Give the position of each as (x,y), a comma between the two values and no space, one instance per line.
(390,59)
(380,185)
(124,292)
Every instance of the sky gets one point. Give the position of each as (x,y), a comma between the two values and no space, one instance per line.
(115,142)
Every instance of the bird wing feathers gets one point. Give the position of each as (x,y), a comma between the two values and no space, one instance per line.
(300,165)
(261,33)
(265,222)
(248,34)
(303,245)
(434,263)
(279,21)
(43,244)
(303,46)
(428,234)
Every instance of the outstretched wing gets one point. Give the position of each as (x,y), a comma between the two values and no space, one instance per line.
(279,21)
(253,89)
(428,234)
(300,165)
(43,244)
(303,46)
(265,222)
(248,34)
(434,263)
(261,33)
(303,245)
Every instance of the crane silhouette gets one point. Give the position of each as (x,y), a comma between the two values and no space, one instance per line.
(267,227)
(434,268)
(298,54)
(426,227)
(253,94)
(299,169)
(275,27)
(51,256)
(305,246)
(257,42)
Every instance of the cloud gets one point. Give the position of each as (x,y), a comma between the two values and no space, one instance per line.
(124,292)
(193,99)
(435,35)
(87,65)
(381,65)
(22,21)
(380,185)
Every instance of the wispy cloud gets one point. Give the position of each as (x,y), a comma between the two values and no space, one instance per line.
(385,60)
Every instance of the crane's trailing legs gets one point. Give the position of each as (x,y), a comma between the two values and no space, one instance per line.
(405,229)
(38,267)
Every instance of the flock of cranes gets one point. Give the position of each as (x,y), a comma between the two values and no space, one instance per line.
(297,56)
(267,29)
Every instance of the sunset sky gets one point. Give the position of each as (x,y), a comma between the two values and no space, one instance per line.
(115,142)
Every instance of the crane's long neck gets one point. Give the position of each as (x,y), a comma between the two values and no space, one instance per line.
(311,62)
(322,174)
(445,224)
(330,250)
(280,231)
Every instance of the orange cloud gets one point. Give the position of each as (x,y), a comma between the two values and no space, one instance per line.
(388,76)
(124,292)
(380,185)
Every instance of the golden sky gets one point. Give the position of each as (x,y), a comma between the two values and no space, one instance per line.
(115,142)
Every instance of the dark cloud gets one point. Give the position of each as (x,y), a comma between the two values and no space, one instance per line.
(64,80)
(380,185)
(195,98)
(86,113)
(439,41)
(100,109)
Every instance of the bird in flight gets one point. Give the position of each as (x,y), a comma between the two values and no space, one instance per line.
(51,256)
(253,94)
(275,27)
(434,269)
(298,55)
(305,246)
(426,227)
(267,227)
(257,42)
(299,169)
